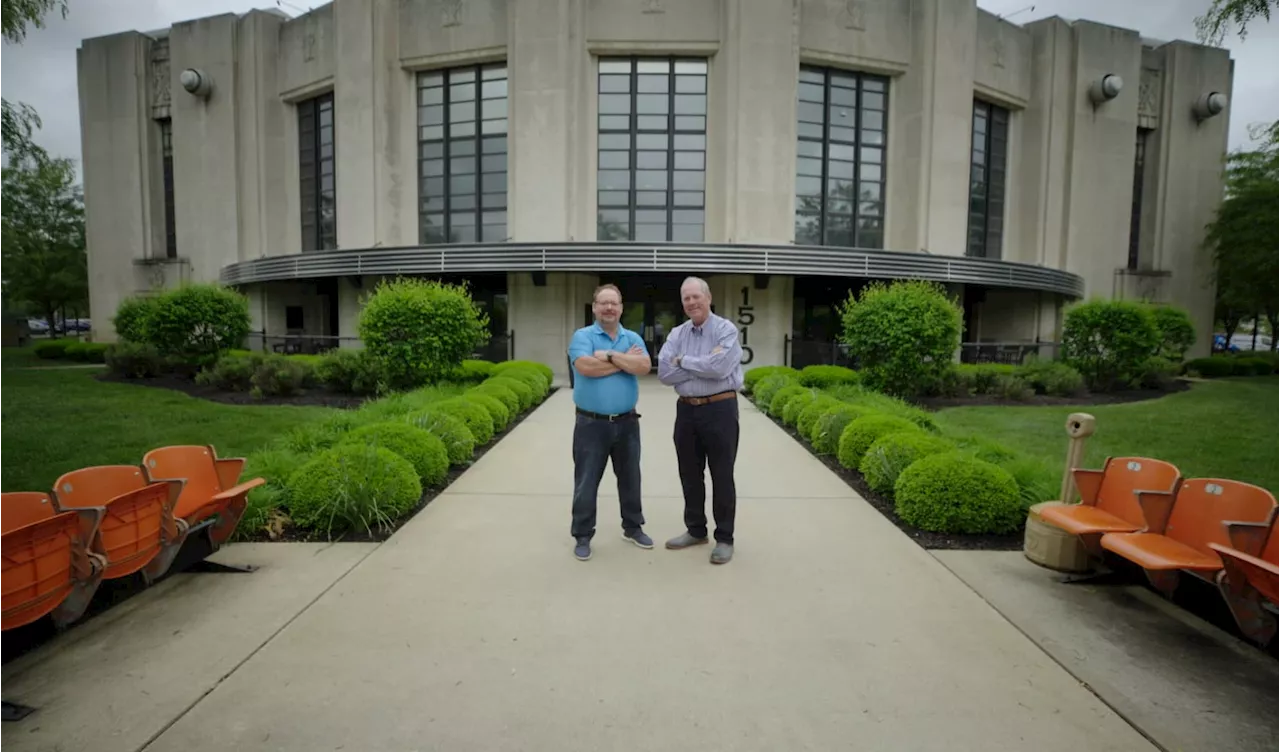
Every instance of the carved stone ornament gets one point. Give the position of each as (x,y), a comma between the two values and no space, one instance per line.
(160,74)
(1149,93)
(998,51)
(652,6)
(451,13)
(309,47)
(855,14)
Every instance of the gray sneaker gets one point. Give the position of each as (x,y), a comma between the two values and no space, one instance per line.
(583,549)
(722,553)
(684,540)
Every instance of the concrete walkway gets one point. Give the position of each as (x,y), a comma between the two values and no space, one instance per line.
(474,628)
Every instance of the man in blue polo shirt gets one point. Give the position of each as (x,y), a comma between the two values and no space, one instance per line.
(606,359)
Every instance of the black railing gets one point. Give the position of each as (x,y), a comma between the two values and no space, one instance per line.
(799,353)
(1007,353)
(499,348)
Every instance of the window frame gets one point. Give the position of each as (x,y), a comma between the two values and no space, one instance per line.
(166,170)
(311,164)
(996,117)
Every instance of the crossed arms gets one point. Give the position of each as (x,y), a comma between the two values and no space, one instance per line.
(594,365)
(676,368)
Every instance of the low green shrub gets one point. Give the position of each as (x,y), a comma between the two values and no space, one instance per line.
(352,371)
(507,396)
(1037,480)
(859,435)
(267,503)
(810,414)
(497,411)
(792,409)
(903,335)
(134,361)
(822,376)
(523,391)
(472,371)
(985,449)
(1214,367)
(427,453)
(1176,334)
(981,378)
(830,427)
(197,322)
(233,372)
(780,397)
(883,403)
(1256,364)
(132,318)
(450,429)
(1108,341)
(280,376)
(52,349)
(894,452)
(420,329)
(1156,372)
(1013,387)
(353,487)
(530,377)
(314,437)
(476,417)
(958,493)
(753,376)
(1052,377)
(542,368)
(769,386)
(87,352)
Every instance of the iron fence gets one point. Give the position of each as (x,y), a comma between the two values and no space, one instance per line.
(799,353)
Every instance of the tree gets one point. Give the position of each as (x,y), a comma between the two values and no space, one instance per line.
(20,121)
(1243,234)
(1211,28)
(42,236)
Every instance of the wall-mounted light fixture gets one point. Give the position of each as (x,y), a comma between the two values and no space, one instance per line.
(1209,104)
(196,82)
(1105,88)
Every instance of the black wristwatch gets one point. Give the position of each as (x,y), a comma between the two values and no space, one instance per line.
(609,357)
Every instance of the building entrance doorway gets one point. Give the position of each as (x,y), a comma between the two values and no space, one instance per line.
(650,307)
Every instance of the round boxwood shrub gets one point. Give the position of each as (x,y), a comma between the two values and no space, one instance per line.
(427,453)
(472,371)
(353,487)
(1108,341)
(542,368)
(895,452)
(809,414)
(767,387)
(1175,331)
(132,318)
(502,393)
(476,416)
(421,329)
(497,411)
(531,378)
(197,321)
(826,376)
(450,428)
(902,335)
(958,493)
(859,435)
(830,427)
(791,410)
(523,391)
(780,397)
(753,376)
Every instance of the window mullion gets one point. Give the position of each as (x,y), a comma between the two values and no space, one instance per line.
(671,145)
(479,144)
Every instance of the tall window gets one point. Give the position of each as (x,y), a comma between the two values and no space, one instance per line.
(166,160)
(316,173)
(651,173)
(1135,217)
(840,158)
(462,154)
(987,179)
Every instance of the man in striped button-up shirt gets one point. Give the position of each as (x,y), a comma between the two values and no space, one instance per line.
(702,360)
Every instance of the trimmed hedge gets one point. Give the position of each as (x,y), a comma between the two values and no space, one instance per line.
(859,435)
(353,487)
(427,453)
(769,386)
(895,452)
(450,428)
(754,376)
(830,427)
(780,397)
(475,415)
(524,393)
(958,493)
(497,411)
(810,414)
(1108,341)
(542,368)
(827,376)
(902,335)
(792,409)
(505,395)
(421,330)
(1223,366)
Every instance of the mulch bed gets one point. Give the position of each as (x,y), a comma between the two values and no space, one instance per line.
(937,541)
(1040,400)
(178,383)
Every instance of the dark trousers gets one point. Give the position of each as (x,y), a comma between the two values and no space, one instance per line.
(596,441)
(708,435)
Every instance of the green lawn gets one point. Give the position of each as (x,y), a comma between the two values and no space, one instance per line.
(54,421)
(1225,428)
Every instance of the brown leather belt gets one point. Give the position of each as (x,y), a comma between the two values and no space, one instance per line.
(708,399)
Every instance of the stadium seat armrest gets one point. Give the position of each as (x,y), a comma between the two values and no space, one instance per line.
(1247,537)
(241,489)
(228,470)
(1156,508)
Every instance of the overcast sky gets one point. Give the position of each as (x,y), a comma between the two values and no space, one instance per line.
(42,70)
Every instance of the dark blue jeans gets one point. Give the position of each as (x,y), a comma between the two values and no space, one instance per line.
(596,441)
